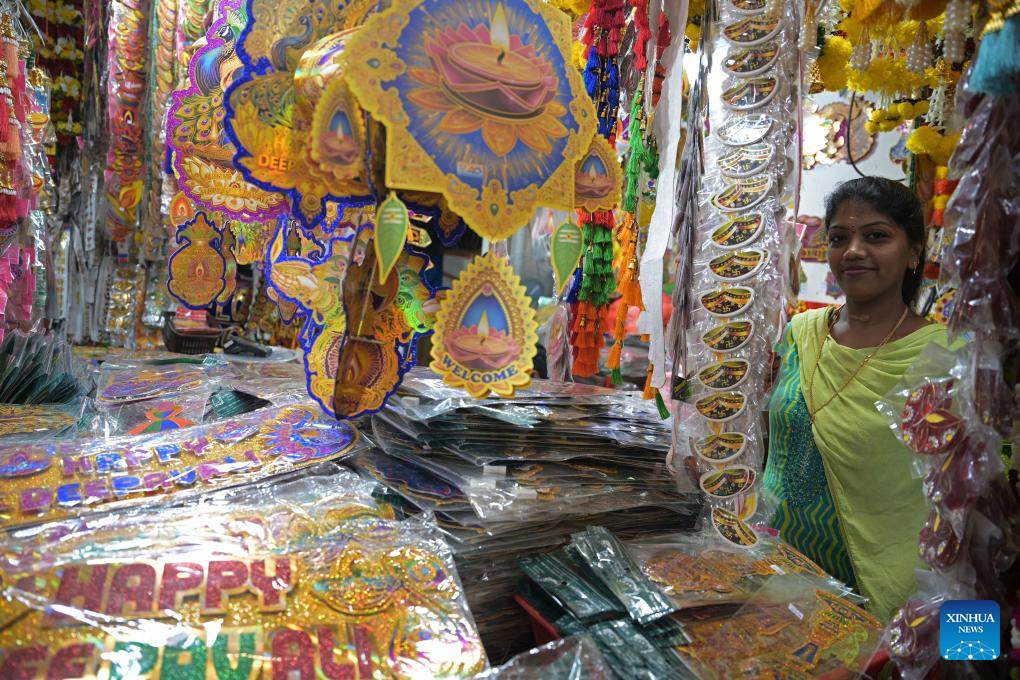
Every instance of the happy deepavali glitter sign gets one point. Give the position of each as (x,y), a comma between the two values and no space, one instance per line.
(42,482)
(373,599)
(480,104)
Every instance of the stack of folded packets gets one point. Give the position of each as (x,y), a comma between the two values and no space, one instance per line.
(509,478)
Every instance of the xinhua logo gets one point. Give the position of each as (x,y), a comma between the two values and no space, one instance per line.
(969,630)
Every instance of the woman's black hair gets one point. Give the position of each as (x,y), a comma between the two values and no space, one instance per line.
(895,201)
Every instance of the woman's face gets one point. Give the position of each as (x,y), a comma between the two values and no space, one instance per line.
(869,254)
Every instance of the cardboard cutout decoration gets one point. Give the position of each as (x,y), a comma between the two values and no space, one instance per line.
(196,132)
(480,103)
(597,179)
(485,339)
(197,268)
(295,132)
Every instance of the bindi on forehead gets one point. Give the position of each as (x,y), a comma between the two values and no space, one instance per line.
(859,214)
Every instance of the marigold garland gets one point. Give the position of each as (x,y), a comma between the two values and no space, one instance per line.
(833,61)
(890,76)
(927,141)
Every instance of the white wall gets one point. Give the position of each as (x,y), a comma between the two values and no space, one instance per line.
(822,179)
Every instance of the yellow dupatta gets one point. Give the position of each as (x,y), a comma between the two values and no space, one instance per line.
(881,506)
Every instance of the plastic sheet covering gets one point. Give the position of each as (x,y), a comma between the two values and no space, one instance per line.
(513,478)
(270,581)
(696,570)
(572,658)
(794,626)
(126,381)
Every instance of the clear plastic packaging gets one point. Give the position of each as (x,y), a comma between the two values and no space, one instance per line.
(557,576)
(701,569)
(912,637)
(606,559)
(126,382)
(39,368)
(164,413)
(571,658)
(733,248)
(27,423)
(792,627)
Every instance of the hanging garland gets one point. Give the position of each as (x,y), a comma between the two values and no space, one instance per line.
(603,30)
(642,158)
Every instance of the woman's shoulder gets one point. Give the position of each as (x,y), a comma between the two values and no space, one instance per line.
(937,332)
(811,318)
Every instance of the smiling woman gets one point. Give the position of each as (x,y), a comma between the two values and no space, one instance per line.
(847,496)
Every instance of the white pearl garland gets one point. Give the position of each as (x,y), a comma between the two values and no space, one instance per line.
(919,55)
(860,58)
(954,30)
(808,32)
(939,106)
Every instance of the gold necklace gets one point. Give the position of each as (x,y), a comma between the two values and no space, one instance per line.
(814,370)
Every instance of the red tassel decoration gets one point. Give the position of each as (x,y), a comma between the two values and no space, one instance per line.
(643,34)
(8,196)
(664,40)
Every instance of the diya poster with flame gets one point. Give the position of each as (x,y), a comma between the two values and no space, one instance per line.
(481,104)
(597,180)
(485,336)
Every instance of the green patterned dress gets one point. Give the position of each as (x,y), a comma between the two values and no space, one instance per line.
(806,515)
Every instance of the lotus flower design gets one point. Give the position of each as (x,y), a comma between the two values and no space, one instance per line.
(485,79)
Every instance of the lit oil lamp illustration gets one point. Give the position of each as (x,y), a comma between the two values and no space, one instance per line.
(482,347)
(487,79)
(339,146)
(592,179)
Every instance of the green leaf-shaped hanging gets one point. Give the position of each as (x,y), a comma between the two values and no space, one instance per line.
(567,245)
(390,234)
